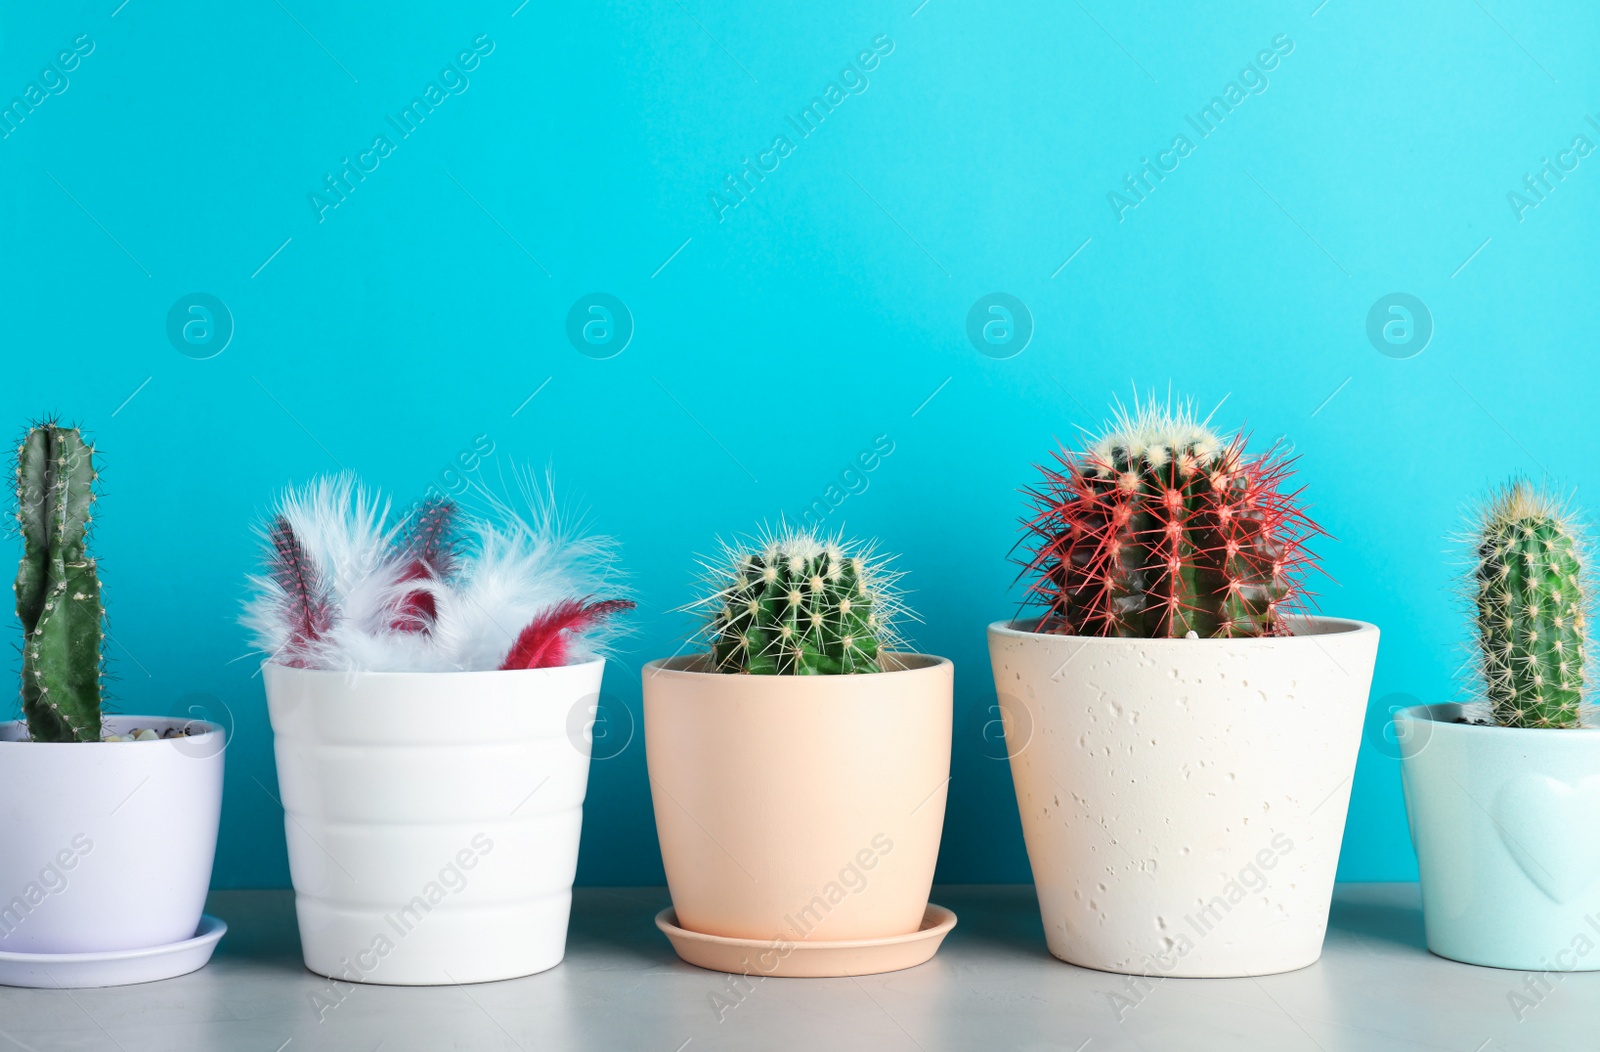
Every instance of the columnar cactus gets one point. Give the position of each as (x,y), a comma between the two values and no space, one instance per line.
(799,605)
(1164,529)
(1531,602)
(57,588)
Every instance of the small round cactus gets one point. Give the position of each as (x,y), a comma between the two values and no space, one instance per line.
(1164,529)
(1531,604)
(796,604)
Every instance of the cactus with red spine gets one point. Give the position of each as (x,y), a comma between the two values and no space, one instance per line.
(1164,529)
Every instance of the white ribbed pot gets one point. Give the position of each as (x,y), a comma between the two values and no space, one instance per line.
(107,846)
(1183,800)
(432,818)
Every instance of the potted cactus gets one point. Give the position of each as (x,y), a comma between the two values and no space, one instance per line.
(798,767)
(1181,735)
(109,822)
(430,679)
(1503,792)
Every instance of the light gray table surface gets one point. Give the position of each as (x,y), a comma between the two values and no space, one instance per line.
(992,986)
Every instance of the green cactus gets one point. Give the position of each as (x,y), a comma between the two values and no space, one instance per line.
(1531,599)
(799,605)
(58,590)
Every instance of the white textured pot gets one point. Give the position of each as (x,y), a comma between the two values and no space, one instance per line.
(1183,800)
(107,846)
(432,818)
(1506,823)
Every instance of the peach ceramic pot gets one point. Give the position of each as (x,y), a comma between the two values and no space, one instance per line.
(799,807)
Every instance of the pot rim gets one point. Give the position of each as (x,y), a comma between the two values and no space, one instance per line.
(914,663)
(1332,626)
(380,677)
(211,730)
(1444,714)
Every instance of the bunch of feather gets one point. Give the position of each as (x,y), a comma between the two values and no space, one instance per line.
(347,587)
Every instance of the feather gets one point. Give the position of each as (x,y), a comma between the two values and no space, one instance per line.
(460,611)
(429,551)
(430,536)
(543,643)
(300,615)
(346,530)
(520,562)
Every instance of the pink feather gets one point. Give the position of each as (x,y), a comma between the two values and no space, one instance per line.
(543,644)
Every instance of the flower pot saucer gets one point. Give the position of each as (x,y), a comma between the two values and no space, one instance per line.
(76,971)
(809,960)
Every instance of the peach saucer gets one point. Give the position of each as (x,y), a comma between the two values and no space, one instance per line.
(809,960)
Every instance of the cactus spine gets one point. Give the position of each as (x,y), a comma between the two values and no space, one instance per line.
(57,587)
(1162,529)
(1531,604)
(800,605)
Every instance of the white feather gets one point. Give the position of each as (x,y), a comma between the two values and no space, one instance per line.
(516,566)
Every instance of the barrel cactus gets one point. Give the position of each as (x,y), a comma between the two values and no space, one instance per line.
(797,604)
(1164,528)
(57,587)
(1531,601)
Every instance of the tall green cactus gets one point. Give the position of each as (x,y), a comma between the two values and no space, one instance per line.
(58,590)
(1532,599)
(797,605)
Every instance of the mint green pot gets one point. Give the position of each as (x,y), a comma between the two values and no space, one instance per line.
(1506,823)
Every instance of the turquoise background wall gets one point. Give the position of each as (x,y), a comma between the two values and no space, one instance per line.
(404,323)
